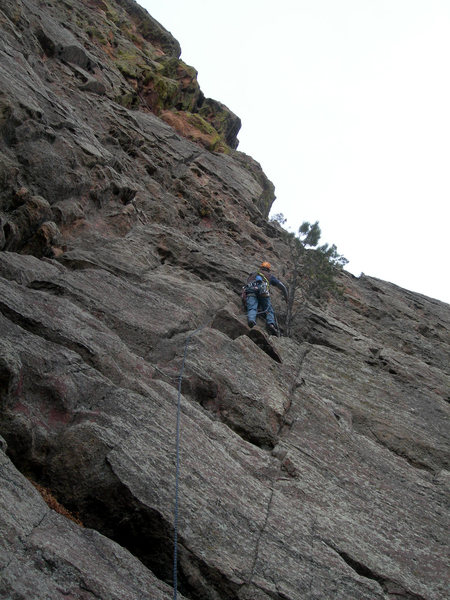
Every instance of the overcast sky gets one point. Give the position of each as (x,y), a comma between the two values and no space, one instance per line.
(346,105)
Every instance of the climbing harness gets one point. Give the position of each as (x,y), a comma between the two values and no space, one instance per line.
(257,283)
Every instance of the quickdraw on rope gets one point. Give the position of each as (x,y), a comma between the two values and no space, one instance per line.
(177,462)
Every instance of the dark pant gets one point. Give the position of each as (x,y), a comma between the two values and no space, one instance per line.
(260,306)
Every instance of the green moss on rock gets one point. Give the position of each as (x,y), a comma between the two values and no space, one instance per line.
(150,29)
(96,34)
(147,56)
(216,141)
(128,100)
(222,119)
(166,89)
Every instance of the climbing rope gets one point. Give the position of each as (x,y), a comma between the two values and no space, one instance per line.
(177,457)
(177,463)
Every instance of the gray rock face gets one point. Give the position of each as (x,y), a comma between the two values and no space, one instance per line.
(45,555)
(311,467)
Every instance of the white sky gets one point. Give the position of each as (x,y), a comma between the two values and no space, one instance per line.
(346,105)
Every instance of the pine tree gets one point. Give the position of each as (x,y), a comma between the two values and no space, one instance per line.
(313,269)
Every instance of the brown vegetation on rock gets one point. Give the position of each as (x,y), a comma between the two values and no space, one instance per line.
(53,503)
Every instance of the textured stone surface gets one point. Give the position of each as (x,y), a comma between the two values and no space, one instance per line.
(312,467)
(45,555)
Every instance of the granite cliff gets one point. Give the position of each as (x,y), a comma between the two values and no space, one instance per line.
(312,467)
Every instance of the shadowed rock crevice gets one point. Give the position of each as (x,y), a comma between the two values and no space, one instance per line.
(233,326)
(263,342)
(109,508)
(318,330)
(393,590)
(360,568)
(217,402)
(198,580)
(47,286)
(9,370)
(104,504)
(40,330)
(411,460)
(118,515)
(115,513)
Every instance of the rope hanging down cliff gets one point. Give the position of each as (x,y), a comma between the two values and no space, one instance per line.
(177,463)
(177,459)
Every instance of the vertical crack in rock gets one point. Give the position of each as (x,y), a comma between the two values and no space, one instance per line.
(261,533)
(275,477)
(295,384)
(248,585)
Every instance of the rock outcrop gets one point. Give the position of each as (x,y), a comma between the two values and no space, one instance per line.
(311,467)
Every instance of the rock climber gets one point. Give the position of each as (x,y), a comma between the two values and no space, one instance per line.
(257,296)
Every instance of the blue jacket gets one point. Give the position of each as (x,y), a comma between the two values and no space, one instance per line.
(271,279)
(277,283)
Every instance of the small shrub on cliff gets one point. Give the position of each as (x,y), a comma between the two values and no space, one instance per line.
(313,269)
(278,218)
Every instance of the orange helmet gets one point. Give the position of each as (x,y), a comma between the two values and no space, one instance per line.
(266,265)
